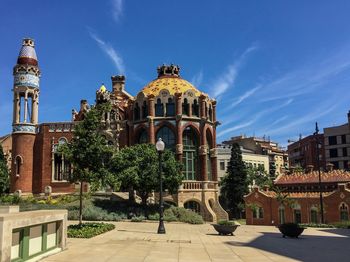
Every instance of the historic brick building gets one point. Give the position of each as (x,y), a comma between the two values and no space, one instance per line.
(168,107)
(264,208)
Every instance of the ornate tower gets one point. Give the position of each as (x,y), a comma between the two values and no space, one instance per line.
(25,117)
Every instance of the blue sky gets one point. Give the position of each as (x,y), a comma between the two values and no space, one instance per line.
(275,67)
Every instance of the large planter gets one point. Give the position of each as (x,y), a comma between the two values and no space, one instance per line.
(291,230)
(225,229)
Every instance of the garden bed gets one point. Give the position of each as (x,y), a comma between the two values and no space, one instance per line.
(88,230)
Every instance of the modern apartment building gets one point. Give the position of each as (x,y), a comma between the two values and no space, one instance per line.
(248,156)
(337,145)
(278,158)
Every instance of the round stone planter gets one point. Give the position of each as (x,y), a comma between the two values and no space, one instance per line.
(290,230)
(225,229)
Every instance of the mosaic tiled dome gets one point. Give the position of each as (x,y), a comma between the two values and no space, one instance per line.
(169,79)
(27,54)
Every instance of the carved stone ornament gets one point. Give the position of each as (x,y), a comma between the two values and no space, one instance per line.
(179,149)
(213,152)
(203,150)
(342,196)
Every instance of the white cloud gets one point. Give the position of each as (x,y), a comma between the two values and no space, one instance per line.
(226,80)
(197,79)
(245,96)
(236,127)
(117,9)
(110,51)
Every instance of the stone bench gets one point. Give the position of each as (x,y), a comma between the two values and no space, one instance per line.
(31,235)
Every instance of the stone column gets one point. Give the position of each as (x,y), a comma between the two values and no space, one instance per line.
(16,108)
(151,134)
(25,107)
(202,107)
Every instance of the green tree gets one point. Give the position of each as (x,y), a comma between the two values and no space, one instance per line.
(89,152)
(4,174)
(258,176)
(137,169)
(235,184)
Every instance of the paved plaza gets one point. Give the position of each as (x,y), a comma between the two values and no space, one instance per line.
(136,242)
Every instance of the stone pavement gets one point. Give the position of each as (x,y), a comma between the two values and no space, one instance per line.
(136,242)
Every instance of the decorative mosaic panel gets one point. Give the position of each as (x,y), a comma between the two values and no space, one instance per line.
(28,51)
(23,128)
(26,80)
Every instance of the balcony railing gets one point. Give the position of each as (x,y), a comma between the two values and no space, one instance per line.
(198,185)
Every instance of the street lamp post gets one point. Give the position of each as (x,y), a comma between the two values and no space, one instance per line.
(160,148)
(319,172)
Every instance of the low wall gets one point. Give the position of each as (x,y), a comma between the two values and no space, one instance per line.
(31,235)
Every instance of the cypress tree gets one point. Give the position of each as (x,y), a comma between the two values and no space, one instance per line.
(235,184)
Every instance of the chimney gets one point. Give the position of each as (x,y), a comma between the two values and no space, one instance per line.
(329,167)
(309,168)
(118,83)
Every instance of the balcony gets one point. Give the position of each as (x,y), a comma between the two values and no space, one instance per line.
(190,185)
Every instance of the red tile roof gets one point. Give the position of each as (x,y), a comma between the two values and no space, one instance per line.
(297,194)
(335,176)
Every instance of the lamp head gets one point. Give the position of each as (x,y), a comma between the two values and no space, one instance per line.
(160,145)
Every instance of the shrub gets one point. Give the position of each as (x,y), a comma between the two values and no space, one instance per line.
(137,219)
(226,222)
(343,224)
(317,225)
(184,215)
(88,230)
(10,199)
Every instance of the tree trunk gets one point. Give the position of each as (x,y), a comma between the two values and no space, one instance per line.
(81,204)
(131,195)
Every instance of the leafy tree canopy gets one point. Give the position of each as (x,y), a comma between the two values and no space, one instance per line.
(138,167)
(258,176)
(4,173)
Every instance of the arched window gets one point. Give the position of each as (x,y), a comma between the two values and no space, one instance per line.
(344,214)
(281,214)
(61,167)
(313,215)
(258,212)
(185,107)
(193,206)
(195,108)
(18,162)
(144,110)
(297,214)
(168,137)
(210,113)
(159,108)
(170,107)
(143,137)
(136,112)
(190,154)
(209,146)
(113,116)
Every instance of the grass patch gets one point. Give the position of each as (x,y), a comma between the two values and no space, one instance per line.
(88,230)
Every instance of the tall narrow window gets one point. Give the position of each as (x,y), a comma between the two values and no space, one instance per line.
(313,215)
(258,212)
(190,153)
(210,113)
(281,214)
(159,108)
(297,216)
(144,110)
(168,137)
(209,146)
(61,167)
(143,137)
(18,165)
(195,108)
(344,214)
(170,107)
(185,107)
(136,112)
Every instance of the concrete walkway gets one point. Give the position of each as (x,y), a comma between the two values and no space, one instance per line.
(136,242)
